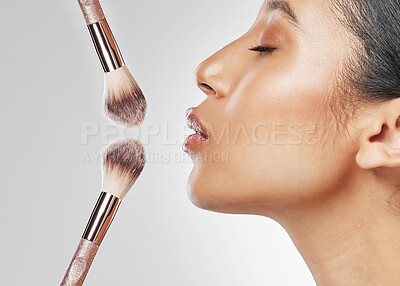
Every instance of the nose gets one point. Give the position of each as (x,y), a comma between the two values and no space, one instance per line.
(217,75)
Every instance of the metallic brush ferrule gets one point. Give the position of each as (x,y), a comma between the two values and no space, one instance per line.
(106,46)
(101,218)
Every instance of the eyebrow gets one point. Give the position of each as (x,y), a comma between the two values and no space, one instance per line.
(281,6)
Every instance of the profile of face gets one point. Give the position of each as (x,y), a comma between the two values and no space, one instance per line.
(272,132)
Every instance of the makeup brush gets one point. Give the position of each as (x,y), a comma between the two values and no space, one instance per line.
(123,161)
(124,102)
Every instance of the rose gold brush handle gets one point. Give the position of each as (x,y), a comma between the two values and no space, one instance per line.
(92,11)
(80,264)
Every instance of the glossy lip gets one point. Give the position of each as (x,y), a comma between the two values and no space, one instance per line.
(194,123)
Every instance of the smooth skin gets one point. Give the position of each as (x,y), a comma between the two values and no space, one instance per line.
(330,180)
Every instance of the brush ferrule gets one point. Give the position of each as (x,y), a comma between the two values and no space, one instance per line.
(106,46)
(101,218)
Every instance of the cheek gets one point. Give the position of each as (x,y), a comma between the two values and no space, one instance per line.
(281,89)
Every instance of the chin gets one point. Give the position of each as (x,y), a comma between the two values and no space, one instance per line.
(201,193)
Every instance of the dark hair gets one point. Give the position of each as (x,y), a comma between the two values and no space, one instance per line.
(375,71)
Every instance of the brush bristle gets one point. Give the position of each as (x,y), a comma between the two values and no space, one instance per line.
(124,100)
(123,161)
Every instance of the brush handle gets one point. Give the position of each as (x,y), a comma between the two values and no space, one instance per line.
(80,264)
(91,10)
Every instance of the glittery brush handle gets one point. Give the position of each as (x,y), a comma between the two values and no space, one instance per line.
(80,264)
(91,10)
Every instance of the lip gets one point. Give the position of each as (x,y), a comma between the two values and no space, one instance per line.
(194,123)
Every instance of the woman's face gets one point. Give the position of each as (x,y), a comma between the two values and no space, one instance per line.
(271,137)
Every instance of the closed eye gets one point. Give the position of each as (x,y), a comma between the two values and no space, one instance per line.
(262,49)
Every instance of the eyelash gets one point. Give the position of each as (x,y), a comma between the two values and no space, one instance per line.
(262,49)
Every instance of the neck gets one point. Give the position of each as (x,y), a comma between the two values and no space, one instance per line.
(351,237)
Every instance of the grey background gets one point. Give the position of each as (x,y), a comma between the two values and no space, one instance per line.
(52,84)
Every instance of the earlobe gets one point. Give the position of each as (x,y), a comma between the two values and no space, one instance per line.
(377,154)
(380,143)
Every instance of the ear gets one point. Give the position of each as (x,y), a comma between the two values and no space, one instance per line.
(380,141)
